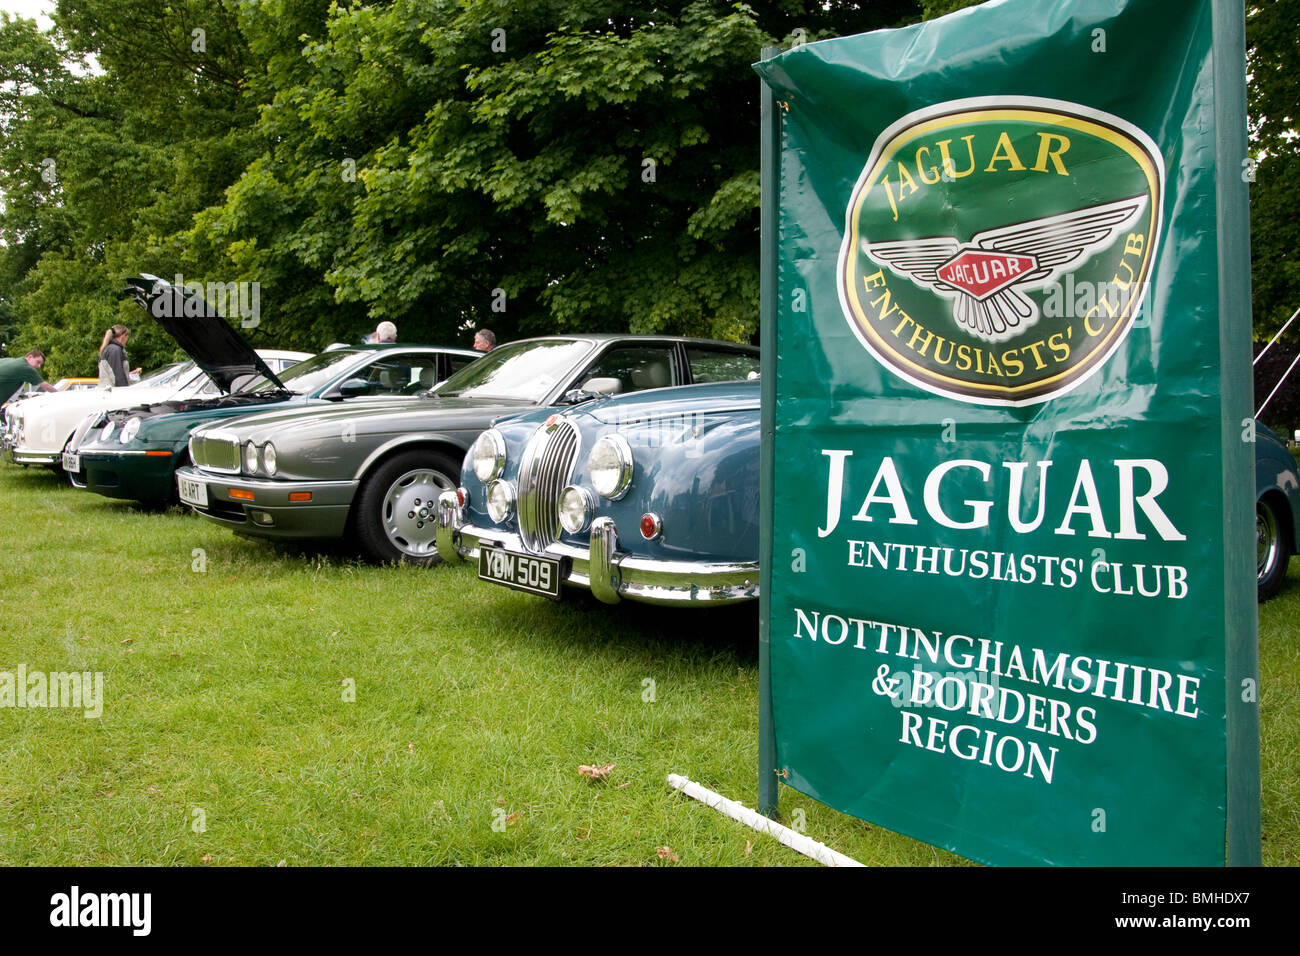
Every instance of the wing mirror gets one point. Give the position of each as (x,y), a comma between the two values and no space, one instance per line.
(354,388)
(593,388)
(603,386)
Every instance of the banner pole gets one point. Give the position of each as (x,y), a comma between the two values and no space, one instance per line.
(1241,614)
(769,193)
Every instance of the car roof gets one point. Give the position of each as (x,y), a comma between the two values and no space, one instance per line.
(407,346)
(601,337)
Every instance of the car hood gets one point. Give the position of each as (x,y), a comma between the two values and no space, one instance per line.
(199,329)
(90,399)
(695,400)
(391,415)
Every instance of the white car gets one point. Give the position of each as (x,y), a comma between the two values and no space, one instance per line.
(37,428)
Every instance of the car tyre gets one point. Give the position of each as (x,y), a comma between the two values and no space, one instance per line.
(397,508)
(1272,548)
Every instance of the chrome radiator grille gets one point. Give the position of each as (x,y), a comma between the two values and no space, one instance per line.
(544,471)
(215,452)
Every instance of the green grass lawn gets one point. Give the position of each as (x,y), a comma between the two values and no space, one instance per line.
(227,735)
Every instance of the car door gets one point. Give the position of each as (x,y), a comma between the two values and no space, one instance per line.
(636,366)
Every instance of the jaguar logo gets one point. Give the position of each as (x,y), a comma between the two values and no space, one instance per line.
(968,221)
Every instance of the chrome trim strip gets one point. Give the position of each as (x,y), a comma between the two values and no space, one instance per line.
(266,484)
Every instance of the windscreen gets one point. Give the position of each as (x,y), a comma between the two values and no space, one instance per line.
(311,374)
(525,371)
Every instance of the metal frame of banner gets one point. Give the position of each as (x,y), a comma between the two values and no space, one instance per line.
(1236,395)
(767,310)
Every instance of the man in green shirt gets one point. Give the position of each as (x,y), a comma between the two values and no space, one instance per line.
(15,372)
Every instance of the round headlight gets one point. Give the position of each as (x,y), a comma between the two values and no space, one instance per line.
(575,509)
(268,458)
(107,431)
(610,466)
(250,458)
(129,429)
(488,455)
(500,500)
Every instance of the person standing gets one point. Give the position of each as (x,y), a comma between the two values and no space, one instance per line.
(16,372)
(384,332)
(485,340)
(113,366)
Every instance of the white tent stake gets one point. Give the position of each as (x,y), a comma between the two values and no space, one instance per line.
(791,838)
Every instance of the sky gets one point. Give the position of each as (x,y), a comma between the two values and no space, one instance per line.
(31,9)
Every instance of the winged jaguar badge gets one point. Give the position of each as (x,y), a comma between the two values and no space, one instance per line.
(987,279)
(998,250)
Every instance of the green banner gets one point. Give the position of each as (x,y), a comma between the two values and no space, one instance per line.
(1002,577)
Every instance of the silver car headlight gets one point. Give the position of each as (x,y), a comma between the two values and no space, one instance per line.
(106,432)
(268,459)
(129,429)
(610,466)
(500,500)
(250,458)
(488,455)
(575,509)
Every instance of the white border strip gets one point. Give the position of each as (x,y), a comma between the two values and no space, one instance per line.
(791,838)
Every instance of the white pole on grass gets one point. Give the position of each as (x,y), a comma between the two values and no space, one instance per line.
(791,838)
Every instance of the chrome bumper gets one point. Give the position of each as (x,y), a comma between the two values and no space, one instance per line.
(609,574)
(20,457)
(269,513)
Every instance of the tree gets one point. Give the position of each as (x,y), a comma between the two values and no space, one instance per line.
(103,172)
(1282,413)
(583,164)
(1273,59)
(534,168)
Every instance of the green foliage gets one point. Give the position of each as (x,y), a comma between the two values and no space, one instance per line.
(939,8)
(102,171)
(1282,413)
(589,164)
(1273,53)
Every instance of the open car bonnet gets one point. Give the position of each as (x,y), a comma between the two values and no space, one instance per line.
(199,329)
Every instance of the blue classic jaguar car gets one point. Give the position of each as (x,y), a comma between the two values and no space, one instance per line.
(650,497)
(1277,510)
